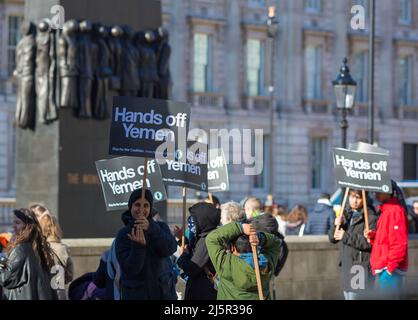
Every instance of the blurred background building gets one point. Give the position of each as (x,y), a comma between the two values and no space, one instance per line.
(221,65)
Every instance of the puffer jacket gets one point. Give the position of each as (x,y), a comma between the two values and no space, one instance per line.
(320,220)
(24,278)
(140,264)
(390,244)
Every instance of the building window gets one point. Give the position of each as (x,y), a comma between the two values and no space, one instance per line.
(256,3)
(202,63)
(255,67)
(405,16)
(313,6)
(14,36)
(405,80)
(360,72)
(319,154)
(364,4)
(410,163)
(313,72)
(262,180)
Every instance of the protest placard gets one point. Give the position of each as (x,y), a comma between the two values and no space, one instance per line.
(218,180)
(188,170)
(362,170)
(120,176)
(140,125)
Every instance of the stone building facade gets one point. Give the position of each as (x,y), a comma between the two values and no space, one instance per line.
(11,16)
(221,64)
(313,37)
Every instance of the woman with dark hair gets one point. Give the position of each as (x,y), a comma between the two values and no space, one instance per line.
(347,230)
(141,248)
(25,273)
(296,221)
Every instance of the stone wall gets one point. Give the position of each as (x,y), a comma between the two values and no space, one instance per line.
(311,271)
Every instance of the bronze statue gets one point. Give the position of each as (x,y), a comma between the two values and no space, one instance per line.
(130,57)
(148,73)
(77,67)
(69,65)
(25,76)
(46,108)
(163,60)
(85,76)
(116,57)
(103,72)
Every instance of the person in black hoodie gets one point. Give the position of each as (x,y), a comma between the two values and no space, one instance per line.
(141,247)
(354,248)
(195,261)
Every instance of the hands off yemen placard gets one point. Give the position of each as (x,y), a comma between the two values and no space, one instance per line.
(361,170)
(192,173)
(120,176)
(218,180)
(140,125)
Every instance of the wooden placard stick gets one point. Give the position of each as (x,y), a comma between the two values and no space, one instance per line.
(366,216)
(144,182)
(347,190)
(257,272)
(183,239)
(210,197)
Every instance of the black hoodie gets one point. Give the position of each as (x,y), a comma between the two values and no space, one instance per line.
(198,286)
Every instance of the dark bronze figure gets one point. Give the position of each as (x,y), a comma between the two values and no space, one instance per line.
(69,65)
(116,57)
(103,72)
(163,60)
(46,108)
(148,73)
(130,58)
(87,61)
(25,76)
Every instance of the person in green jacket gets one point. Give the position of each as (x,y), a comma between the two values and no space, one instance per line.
(235,267)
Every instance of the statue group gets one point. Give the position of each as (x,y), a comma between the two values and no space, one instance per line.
(77,66)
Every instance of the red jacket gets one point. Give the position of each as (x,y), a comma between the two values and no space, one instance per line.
(390,244)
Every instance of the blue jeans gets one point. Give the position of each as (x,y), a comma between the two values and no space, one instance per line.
(390,285)
(349,295)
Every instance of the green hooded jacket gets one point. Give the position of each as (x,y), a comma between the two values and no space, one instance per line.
(237,278)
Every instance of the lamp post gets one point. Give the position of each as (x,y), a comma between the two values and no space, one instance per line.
(372,12)
(345,92)
(272,26)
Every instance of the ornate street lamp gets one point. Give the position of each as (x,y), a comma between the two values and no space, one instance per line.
(345,92)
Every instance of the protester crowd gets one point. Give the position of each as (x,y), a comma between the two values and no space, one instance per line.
(214,255)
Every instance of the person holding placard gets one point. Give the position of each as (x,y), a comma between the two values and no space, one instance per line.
(236,267)
(347,230)
(389,257)
(141,247)
(194,260)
